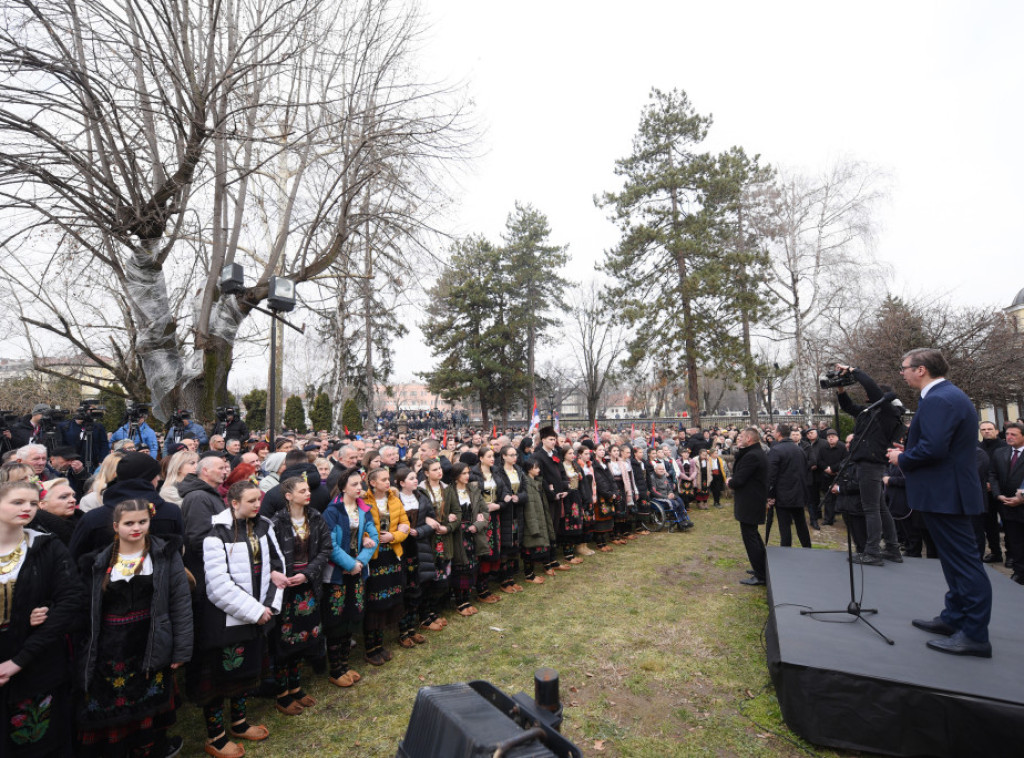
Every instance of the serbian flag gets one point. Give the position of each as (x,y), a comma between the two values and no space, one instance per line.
(597,434)
(632,431)
(432,435)
(494,432)
(534,419)
(444,439)
(558,427)
(653,432)
(345,428)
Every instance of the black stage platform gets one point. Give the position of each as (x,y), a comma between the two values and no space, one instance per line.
(841,685)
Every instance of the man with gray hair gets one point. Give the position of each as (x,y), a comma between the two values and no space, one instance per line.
(35,456)
(200,502)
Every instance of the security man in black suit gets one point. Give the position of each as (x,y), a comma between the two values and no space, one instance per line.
(1009,478)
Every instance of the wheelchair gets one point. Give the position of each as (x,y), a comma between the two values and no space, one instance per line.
(667,518)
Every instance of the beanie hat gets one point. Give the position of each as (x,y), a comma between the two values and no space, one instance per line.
(137,466)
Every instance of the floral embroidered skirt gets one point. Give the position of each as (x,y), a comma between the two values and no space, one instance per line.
(344,606)
(299,629)
(384,603)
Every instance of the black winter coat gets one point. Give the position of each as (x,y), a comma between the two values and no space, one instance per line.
(319,544)
(641,471)
(47,579)
(604,481)
(888,425)
(96,529)
(170,622)
(319,497)
(787,475)
(425,537)
(511,513)
(749,483)
(199,504)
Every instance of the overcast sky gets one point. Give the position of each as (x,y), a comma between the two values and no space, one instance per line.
(929,92)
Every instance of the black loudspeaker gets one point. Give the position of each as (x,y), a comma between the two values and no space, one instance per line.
(476,719)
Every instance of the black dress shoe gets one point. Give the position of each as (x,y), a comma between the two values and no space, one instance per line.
(1008,563)
(752,581)
(816,526)
(935,626)
(961,644)
(893,556)
(1018,578)
(992,558)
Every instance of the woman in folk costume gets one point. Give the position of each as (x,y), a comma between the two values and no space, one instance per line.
(243,582)
(588,497)
(306,547)
(417,556)
(571,526)
(488,540)
(384,604)
(538,531)
(687,476)
(719,473)
(605,493)
(512,497)
(622,474)
(641,472)
(140,630)
(702,483)
(40,600)
(445,524)
(353,541)
(463,499)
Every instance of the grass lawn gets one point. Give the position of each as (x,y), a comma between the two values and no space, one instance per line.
(658,647)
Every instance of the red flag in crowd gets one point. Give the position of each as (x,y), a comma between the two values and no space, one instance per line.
(444,440)
(494,432)
(346,429)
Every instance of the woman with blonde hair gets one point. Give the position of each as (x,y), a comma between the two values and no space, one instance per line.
(180,465)
(108,470)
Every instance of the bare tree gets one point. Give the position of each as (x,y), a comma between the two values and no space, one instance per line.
(153,144)
(597,343)
(821,252)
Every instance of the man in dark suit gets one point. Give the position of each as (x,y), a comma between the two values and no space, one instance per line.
(1008,463)
(749,483)
(787,486)
(942,483)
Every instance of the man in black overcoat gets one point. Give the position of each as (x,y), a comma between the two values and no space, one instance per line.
(787,487)
(1009,476)
(749,483)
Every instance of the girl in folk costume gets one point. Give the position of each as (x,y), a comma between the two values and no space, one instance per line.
(622,475)
(512,497)
(244,583)
(687,476)
(641,472)
(306,548)
(570,527)
(40,600)
(140,629)
(463,499)
(702,482)
(353,541)
(444,523)
(588,497)
(605,494)
(538,530)
(719,473)
(417,556)
(384,604)
(488,538)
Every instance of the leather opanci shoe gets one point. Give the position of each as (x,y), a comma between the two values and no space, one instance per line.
(935,626)
(752,581)
(961,644)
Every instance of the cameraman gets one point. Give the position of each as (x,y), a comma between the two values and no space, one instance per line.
(873,434)
(231,425)
(79,432)
(144,434)
(27,429)
(176,433)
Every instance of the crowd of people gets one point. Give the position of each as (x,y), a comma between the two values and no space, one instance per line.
(221,555)
(199,566)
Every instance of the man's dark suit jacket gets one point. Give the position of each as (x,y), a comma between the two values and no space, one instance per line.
(939,462)
(1008,481)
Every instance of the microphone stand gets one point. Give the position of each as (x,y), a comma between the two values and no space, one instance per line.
(854,608)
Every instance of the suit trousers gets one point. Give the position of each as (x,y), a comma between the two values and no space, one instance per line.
(876,513)
(792,516)
(1015,543)
(969,599)
(754,546)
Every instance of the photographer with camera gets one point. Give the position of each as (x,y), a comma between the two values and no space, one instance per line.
(229,424)
(134,427)
(28,429)
(877,427)
(179,425)
(85,434)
